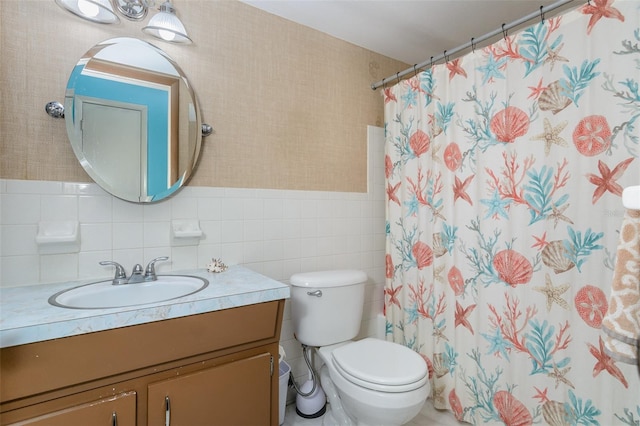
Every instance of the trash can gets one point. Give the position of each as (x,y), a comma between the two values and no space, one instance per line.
(285,370)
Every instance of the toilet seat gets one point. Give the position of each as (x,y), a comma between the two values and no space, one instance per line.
(380,365)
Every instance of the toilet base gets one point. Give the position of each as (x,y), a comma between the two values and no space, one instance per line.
(336,416)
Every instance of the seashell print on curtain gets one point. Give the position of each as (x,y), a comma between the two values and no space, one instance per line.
(504,173)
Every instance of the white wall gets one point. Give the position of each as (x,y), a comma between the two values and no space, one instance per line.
(274,232)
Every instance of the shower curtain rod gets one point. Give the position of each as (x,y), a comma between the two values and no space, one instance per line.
(474,41)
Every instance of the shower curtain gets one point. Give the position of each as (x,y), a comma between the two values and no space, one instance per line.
(504,172)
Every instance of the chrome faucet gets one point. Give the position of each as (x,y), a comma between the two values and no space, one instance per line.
(150,271)
(121,276)
(136,275)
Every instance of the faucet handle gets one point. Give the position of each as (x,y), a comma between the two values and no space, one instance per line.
(121,275)
(150,271)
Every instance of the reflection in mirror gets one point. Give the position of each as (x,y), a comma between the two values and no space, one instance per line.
(133,120)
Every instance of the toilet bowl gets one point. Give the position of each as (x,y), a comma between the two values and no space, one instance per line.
(378,382)
(368,381)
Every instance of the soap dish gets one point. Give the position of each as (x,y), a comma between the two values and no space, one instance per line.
(186,228)
(58,237)
(57,232)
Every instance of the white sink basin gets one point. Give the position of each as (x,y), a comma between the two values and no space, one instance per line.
(104,294)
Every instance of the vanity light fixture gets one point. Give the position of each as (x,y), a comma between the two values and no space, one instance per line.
(100,11)
(165,25)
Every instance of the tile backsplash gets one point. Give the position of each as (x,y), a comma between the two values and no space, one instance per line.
(274,232)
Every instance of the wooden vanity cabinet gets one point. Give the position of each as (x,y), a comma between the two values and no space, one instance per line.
(226,395)
(216,368)
(119,410)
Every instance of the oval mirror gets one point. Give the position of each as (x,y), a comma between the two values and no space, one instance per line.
(133,120)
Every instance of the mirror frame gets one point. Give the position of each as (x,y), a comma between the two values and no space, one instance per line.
(158,98)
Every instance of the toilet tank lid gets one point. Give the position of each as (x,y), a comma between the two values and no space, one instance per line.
(333,278)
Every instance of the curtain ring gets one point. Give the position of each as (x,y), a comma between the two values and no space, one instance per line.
(444,55)
(398,77)
(431,62)
(384,84)
(541,14)
(473,45)
(415,73)
(504,31)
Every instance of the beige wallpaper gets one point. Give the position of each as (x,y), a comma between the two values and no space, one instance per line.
(289,104)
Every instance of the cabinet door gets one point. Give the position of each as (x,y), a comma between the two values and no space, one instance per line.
(237,393)
(119,410)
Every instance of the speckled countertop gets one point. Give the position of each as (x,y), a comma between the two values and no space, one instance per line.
(27,317)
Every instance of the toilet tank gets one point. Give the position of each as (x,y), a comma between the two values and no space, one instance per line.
(326,306)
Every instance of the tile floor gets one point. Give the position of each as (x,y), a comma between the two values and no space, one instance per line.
(429,416)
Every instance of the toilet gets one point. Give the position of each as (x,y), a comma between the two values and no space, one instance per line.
(368,381)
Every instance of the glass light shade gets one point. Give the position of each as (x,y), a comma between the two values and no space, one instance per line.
(165,25)
(92,10)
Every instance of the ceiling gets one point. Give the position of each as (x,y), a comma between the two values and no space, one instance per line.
(411,31)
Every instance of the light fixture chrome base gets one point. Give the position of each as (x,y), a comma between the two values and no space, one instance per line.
(134,10)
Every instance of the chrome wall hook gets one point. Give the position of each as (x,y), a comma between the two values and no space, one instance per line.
(206,130)
(55,109)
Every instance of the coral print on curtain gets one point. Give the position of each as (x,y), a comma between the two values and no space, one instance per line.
(505,170)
